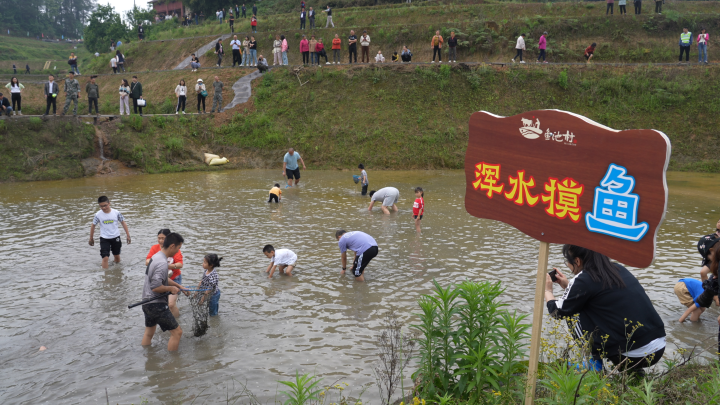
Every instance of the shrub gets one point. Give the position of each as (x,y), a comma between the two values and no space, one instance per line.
(563,80)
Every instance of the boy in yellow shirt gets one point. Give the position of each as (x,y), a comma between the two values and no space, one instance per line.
(275,194)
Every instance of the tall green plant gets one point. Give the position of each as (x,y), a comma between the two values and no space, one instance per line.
(303,390)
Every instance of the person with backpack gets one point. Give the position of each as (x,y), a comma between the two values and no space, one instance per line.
(202,93)
(120,60)
(72,61)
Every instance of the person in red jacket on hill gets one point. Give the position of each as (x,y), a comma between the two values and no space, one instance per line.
(336,42)
(253,24)
(590,51)
(305,50)
(542,45)
(418,207)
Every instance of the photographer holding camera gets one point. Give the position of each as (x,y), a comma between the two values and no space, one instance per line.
(614,313)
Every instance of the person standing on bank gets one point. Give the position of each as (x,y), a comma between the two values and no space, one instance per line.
(329,22)
(303,14)
(609,302)
(284,49)
(93,94)
(254,9)
(389,197)
(658,6)
(542,45)
(51,90)
(452,47)
(290,167)
(246,53)
(72,92)
(15,95)
(124,91)
(313,50)
(120,60)
(219,51)
(252,44)
(336,44)
(609,8)
(141,32)
(157,284)
(702,42)
(305,50)
(622,4)
(136,93)
(231,21)
(638,6)
(436,45)
(237,57)
(277,51)
(201,91)
(365,47)
(109,218)
(72,61)
(685,41)
(244,11)
(520,47)
(181,94)
(217,95)
(362,244)
(311,17)
(352,47)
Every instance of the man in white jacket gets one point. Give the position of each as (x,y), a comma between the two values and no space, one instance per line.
(520,46)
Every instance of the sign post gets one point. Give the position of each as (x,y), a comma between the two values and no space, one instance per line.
(562,178)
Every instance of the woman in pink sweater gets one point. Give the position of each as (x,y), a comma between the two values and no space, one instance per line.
(542,45)
(305,50)
(284,49)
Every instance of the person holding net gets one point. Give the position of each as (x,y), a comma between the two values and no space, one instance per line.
(210,291)
(175,263)
(156,289)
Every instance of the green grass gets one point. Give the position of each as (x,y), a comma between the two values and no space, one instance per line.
(30,51)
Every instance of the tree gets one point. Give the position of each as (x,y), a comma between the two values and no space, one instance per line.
(209,7)
(105,25)
(137,15)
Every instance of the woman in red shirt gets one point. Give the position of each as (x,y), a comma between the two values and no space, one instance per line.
(336,49)
(418,207)
(175,263)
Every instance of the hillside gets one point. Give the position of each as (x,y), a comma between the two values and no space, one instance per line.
(22,51)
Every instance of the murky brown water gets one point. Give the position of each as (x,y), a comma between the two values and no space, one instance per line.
(56,295)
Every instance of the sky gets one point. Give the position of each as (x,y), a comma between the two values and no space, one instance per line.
(121,6)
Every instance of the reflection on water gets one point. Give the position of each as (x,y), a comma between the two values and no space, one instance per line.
(57,295)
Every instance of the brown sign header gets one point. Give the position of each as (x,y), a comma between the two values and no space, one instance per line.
(563,178)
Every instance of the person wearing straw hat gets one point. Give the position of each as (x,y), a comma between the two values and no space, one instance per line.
(201,91)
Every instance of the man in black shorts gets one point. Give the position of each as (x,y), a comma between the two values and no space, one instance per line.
(291,168)
(108,218)
(362,244)
(157,283)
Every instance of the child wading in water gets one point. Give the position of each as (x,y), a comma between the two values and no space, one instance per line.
(363,179)
(418,207)
(283,259)
(275,194)
(210,282)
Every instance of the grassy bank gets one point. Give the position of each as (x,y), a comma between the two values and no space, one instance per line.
(37,150)
(404,117)
(33,52)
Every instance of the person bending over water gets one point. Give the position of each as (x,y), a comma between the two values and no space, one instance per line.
(708,289)
(362,244)
(157,283)
(614,312)
(389,197)
(108,219)
(175,263)
(282,259)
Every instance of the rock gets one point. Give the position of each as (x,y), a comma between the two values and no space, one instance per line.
(90,165)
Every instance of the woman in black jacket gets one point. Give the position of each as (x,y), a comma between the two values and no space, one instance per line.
(615,314)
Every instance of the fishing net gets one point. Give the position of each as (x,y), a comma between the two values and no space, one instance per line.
(200,311)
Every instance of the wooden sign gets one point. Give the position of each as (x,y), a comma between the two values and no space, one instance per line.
(563,178)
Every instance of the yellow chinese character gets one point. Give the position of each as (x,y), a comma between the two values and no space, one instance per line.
(487,176)
(521,189)
(568,198)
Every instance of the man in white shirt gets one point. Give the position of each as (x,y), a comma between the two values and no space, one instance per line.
(108,219)
(365,46)
(236,44)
